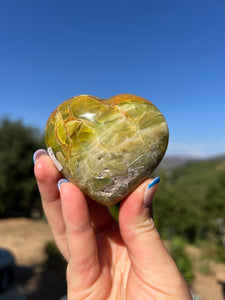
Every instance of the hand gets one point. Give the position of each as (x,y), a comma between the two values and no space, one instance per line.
(107,259)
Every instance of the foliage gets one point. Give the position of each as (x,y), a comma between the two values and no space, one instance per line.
(219,254)
(190,201)
(18,190)
(205,268)
(212,251)
(114,210)
(181,258)
(54,257)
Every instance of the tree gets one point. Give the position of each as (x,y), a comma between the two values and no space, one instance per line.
(18,190)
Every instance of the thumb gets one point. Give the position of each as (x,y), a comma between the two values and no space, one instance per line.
(144,245)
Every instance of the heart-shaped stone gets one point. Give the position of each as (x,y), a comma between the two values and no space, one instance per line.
(107,147)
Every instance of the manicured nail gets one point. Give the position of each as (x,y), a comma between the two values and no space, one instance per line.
(60,182)
(54,160)
(155,181)
(149,193)
(38,154)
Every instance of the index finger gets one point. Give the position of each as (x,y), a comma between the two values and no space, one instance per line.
(47,178)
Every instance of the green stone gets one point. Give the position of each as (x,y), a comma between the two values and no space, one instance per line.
(107,147)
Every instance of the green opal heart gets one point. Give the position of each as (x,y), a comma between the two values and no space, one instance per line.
(107,147)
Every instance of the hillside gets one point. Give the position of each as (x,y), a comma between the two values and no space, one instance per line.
(190,199)
(171,162)
(174,162)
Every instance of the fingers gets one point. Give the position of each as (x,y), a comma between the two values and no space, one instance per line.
(148,255)
(47,178)
(83,252)
(146,250)
(101,218)
(72,225)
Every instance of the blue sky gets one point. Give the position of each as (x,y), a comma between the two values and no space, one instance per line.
(171,52)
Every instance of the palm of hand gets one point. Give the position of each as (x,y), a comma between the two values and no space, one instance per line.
(116,276)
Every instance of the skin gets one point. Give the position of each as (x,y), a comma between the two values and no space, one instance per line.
(108,259)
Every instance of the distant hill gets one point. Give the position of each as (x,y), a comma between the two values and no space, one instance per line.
(171,162)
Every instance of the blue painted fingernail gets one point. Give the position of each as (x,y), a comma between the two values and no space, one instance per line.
(149,193)
(155,181)
(38,154)
(62,181)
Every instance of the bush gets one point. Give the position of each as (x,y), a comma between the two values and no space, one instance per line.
(18,190)
(190,200)
(181,259)
(54,257)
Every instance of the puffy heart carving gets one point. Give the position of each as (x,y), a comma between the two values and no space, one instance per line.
(107,147)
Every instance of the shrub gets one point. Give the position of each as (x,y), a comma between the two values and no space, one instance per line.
(54,257)
(181,259)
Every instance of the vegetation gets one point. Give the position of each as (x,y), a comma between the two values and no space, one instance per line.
(189,208)
(18,191)
(54,257)
(189,204)
(190,201)
(181,258)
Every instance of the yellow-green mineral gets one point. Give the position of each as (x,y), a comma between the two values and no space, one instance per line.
(107,147)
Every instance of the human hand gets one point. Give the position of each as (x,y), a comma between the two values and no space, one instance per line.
(108,259)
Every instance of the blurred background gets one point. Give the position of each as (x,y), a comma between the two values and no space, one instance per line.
(169,52)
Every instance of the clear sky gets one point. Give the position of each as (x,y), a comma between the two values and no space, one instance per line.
(171,52)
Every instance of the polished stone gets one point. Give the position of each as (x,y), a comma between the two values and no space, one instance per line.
(107,147)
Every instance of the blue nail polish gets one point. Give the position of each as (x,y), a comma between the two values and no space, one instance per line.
(155,181)
(60,182)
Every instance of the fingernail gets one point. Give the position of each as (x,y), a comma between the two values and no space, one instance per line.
(54,160)
(38,154)
(154,182)
(60,182)
(149,192)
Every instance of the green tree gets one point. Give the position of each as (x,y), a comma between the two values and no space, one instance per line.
(18,190)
